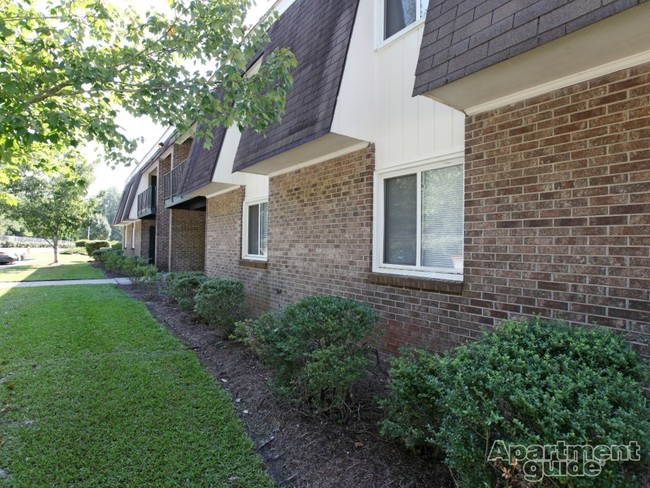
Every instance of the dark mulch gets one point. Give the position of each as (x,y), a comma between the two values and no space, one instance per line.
(299,449)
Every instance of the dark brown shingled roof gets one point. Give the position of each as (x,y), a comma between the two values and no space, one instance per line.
(318,33)
(202,162)
(465,36)
(119,215)
(128,195)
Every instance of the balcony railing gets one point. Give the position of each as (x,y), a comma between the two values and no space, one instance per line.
(147,202)
(172,181)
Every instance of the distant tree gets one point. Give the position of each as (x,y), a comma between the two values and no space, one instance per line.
(96,228)
(68,66)
(108,202)
(52,206)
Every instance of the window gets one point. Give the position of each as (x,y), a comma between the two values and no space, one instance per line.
(398,14)
(256,230)
(420,231)
(133,237)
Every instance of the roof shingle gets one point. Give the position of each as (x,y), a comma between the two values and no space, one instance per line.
(488,32)
(318,33)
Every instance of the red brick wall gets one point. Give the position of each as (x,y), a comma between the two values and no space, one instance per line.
(320,241)
(187,238)
(558,205)
(181,152)
(162,219)
(320,228)
(223,249)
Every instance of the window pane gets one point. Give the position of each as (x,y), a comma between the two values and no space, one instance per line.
(398,14)
(400,227)
(264,228)
(442,218)
(254,230)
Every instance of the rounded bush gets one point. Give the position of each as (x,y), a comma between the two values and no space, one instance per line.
(92,246)
(525,384)
(220,303)
(317,347)
(182,289)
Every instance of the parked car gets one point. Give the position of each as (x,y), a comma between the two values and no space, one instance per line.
(10,256)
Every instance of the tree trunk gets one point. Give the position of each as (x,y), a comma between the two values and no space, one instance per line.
(55,246)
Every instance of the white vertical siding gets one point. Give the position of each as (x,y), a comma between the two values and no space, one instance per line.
(376,103)
(257,186)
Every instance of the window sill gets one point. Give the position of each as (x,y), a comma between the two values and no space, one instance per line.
(250,263)
(382,43)
(424,284)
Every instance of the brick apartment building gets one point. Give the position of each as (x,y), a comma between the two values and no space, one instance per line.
(531,196)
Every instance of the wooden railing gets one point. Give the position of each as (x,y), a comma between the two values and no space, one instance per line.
(172,181)
(147,202)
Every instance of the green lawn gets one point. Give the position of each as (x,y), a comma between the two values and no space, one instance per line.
(38,267)
(94,392)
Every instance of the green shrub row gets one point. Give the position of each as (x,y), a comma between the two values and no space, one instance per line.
(84,242)
(487,406)
(92,246)
(317,347)
(524,384)
(32,244)
(136,268)
(75,250)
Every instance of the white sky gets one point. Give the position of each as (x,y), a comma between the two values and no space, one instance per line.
(105,177)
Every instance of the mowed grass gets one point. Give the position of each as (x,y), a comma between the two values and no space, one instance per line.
(38,267)
(94,392)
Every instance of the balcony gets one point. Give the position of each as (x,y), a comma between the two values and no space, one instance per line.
(147,203)
(172,182)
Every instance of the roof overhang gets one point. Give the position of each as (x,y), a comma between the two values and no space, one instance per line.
(617,42)
(209,189)
(321,149)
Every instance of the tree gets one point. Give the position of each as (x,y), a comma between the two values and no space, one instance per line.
(96,228)
(108,202)
(69,65)
(52,206)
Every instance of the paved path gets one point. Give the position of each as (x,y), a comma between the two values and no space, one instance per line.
(28,284)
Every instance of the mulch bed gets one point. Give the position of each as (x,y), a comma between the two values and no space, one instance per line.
(300,449)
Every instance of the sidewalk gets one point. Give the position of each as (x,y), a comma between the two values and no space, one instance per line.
(28,284)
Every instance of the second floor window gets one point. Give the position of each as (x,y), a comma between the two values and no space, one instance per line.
(398,14)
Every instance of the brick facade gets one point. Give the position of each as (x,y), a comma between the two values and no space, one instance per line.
(162,218)
(320,241)
(187,235)
(558,206)
(223,249)
(182,151)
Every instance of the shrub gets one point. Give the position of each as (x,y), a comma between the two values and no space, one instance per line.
(116,245)
(74,250)
(103,253)
(220,303)
(81,243)
(92,246)
(524,384)
(166,280)
(316,347)
(183,289)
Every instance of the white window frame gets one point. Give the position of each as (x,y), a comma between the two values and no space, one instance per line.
(418,271)
(380,24)
(133,236)
(245,212)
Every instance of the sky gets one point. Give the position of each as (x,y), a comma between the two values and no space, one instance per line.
(105,177)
